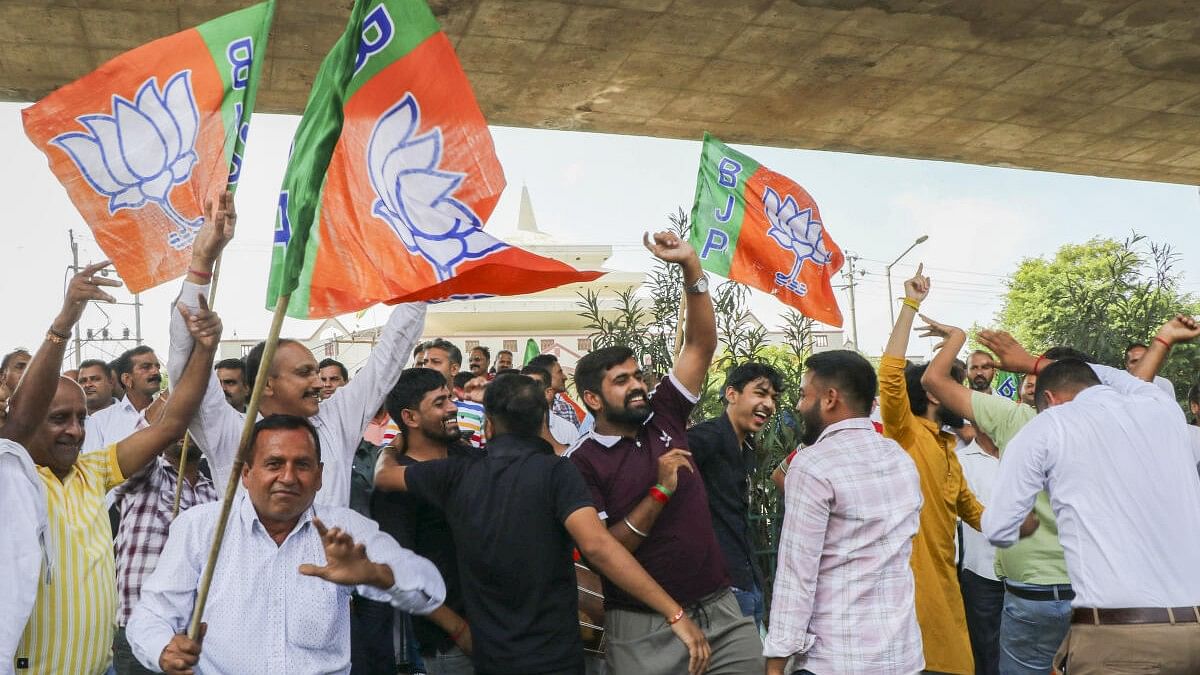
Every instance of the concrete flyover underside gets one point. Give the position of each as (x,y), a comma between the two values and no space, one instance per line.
(1101,87)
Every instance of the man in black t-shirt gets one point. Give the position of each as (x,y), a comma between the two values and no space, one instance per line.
(515,516)
(423,407)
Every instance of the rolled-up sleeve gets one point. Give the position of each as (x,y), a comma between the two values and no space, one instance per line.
(418,588)
(893,399)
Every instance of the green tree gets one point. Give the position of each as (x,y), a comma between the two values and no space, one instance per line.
(1099,297)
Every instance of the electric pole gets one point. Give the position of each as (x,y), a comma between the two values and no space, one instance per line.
(74,271)
(851,281)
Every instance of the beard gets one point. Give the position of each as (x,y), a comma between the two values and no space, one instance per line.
(813,425)
(626,414)
(442,432)
(947,417)
(980,384)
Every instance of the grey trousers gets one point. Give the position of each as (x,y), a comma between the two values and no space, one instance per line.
(641,643)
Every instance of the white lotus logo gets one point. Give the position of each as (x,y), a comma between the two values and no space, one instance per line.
(796,230)
(417,198)
(146,147)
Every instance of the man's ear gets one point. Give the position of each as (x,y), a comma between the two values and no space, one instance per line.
(591,400)
(408,418)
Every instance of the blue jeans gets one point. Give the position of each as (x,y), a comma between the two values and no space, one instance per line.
(452,662)
(751,603)
(1031,632)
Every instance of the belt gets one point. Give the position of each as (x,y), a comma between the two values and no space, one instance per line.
(1056,593)
(1135,615)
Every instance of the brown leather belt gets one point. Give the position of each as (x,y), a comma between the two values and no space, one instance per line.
(1135,615)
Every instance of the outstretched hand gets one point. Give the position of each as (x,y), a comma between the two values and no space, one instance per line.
(942,331)
(346,563)
(1010,355)
(204,325)
(85,286)
(917,287)
(220,218)
(669,247)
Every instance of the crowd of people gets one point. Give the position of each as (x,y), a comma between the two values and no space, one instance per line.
(421,513)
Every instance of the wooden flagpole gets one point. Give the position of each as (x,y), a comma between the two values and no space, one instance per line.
(260,379)
(187,437)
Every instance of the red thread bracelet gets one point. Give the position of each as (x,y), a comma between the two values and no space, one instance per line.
(1037,363)
(675,619)
(1164,342)
(462,627)
(207,276)
(659,496)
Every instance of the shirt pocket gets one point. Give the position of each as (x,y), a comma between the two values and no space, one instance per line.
(317,613)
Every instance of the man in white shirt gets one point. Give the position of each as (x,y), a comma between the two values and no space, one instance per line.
(844,598)
(22,544)
(293,386)
(1115,455)
(285,574)
(1134,353)
(96,378)
(138,371)
(983,593)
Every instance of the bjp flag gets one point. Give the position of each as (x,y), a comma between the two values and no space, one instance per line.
(760,228)
(391,178)
(145,139)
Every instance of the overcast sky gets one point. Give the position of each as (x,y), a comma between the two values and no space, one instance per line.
(597,188)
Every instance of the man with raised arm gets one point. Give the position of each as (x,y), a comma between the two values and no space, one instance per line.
(293,385)
(647,489)
(1114,453)
(914,418)
(70,628)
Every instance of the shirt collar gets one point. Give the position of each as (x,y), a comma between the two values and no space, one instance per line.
(511,445)
(863,423)
(249,515)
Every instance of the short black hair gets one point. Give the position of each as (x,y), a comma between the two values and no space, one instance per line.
(124,363)
(508,371)
(447,346)
(918,400)
(589,372)
(325,363)
(504,351)
(536,371)
(980,351)
(516,404)
(487,353)
(1064,375)
(462,377)
(96,363)
(1135,345)
(420,348)
(9,357)
(849,373)
(742,375)
(544,361)
(282,422)
(410,389)
(254,359)
(1060,353)
(231,364)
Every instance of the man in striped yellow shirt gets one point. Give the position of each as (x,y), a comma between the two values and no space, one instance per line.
(71,627)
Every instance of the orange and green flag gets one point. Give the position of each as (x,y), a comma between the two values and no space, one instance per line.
(391,177)
(142,142)
(760,228)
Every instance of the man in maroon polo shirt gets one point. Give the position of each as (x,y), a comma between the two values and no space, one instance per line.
(647,489)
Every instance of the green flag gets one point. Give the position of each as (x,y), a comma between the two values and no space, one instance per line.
(531,351)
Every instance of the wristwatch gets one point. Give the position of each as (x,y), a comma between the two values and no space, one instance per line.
(701,286)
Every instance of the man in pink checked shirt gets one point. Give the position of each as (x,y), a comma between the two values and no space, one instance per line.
(844,595)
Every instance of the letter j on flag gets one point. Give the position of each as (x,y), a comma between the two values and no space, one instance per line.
(759,228)
(144,140)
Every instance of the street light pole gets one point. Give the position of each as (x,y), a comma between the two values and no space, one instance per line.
(892,301)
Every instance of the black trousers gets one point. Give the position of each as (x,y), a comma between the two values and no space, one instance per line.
(983,600)
(371,649)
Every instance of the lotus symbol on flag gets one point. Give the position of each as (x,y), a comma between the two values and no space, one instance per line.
(416,197)
(796,230)
(146,147)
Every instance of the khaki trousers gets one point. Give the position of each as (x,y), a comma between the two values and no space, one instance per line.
(1158,648)
(640,643)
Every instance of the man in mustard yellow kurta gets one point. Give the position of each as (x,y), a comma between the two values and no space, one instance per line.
(915,422)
